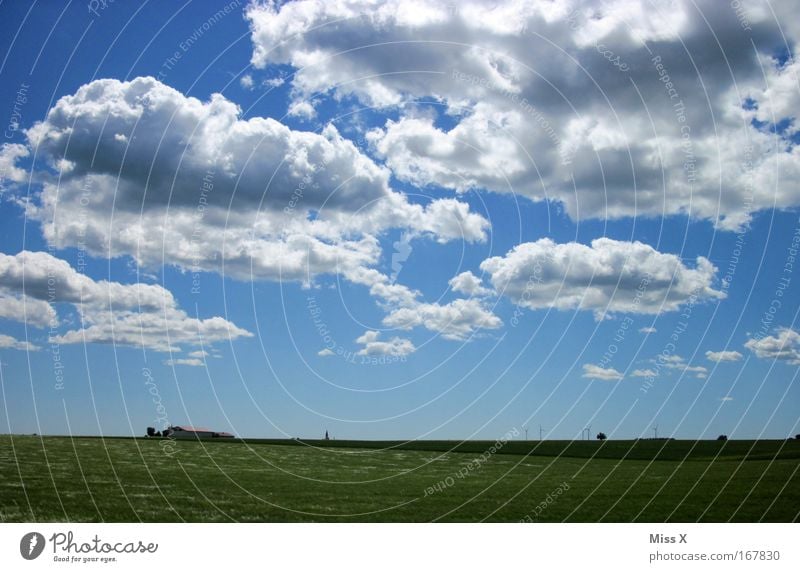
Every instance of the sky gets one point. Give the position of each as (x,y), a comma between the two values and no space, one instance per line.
(400,220)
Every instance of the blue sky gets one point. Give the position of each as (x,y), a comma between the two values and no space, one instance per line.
(466,279)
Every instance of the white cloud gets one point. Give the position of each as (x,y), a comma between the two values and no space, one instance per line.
(785,345)
(199,354)
(726,398)
(469,284)
(201,137)
(193,185)
(8,342)
(141,315)
(398,347)
(607,276)
(556,120)
(302,109)
(27,310)
(274,82)
(325,352)
(647,330)
(699,371)
(476,154)
(591,371)
(449,219)
(679,363)
(192,362)
(457,320)
(41,276)
(271,202)
(165,330)
(10,153)
(724,355)
(246,81)
(643,373)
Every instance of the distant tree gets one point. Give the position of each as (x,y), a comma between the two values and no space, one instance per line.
(158,434)
(151,431)
(797,436)
(722,438)
(601,436)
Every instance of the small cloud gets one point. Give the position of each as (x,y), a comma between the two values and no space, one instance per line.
(7,342)
(325,352)
(647,330)
(726,398)
(199,354)
(192,362)
(302,109)
(274,82)
(458,320)
(679,363)
(368,337)
(785,345)
(246,81)
(591,371)
(469,284)
(697,369)
(398,347)
(643,373)
(724,355)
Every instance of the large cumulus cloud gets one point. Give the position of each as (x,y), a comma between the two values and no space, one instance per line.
(613,109)
(146,171)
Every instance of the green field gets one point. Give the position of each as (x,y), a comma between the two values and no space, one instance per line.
(123,479)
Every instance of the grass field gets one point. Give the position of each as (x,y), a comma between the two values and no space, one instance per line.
(123,479)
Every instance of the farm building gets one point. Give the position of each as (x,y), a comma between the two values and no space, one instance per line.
(187,432)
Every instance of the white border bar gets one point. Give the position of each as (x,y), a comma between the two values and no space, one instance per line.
(404,547)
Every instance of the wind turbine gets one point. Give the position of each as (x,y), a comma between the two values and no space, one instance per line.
(655,431)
